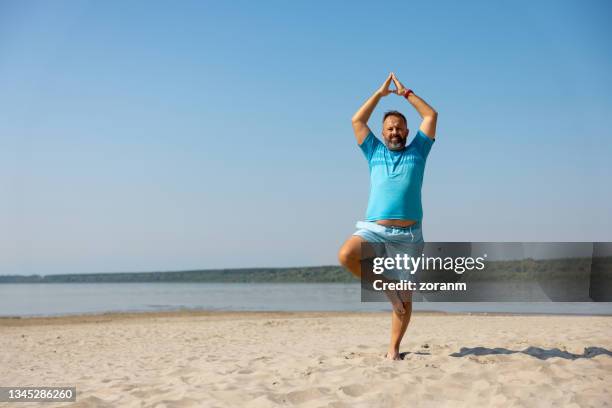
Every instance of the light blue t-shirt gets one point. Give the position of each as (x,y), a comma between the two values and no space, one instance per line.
(396,178)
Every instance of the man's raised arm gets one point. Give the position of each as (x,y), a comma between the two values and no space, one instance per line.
(360,119)
(429,115)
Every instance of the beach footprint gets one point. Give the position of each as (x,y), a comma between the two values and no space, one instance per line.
(353,390)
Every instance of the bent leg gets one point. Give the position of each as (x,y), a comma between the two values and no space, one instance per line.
(350,257)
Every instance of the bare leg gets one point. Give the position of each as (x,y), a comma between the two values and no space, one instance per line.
(350,257)
(399,324)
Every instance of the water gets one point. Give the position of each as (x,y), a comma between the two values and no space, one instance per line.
(52,299)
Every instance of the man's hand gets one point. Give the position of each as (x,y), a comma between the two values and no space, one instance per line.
(384,89)
(400,89)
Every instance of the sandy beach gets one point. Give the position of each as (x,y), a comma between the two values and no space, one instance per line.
(231,359)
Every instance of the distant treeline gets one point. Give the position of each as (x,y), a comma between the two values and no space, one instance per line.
(527,269)
(330,274)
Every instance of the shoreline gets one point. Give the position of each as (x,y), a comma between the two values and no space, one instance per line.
(104,317)
(7,321)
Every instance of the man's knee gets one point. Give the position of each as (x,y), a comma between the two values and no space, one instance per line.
(346,255)
(343,256)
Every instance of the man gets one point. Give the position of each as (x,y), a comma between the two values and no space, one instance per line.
(394,211)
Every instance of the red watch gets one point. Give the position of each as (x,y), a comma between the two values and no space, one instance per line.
(407,92)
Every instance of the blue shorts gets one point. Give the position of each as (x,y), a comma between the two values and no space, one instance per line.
(397,240)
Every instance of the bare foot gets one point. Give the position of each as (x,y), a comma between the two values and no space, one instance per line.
(393,354)
(396,302)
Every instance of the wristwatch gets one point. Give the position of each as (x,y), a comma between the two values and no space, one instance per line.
(407,92)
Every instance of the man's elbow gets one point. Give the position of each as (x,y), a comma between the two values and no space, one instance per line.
(357,121)
(432,115)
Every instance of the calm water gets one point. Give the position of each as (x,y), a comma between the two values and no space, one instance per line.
(76,298)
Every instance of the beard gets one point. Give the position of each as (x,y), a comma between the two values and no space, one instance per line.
(396,143)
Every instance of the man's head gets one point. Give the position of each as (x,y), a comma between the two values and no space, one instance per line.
(395,130)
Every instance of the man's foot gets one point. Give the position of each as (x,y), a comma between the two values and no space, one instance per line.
(396,302)
(393,354)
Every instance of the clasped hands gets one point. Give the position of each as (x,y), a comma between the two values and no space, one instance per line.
(399,88)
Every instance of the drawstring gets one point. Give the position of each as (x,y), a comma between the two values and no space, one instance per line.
(394,230)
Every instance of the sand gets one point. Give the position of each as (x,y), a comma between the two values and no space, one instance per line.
(219,359)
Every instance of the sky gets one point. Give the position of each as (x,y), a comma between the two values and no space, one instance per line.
(158,136)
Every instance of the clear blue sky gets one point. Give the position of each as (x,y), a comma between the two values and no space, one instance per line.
(138,136)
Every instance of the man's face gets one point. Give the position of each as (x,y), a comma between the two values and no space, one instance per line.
(395,132)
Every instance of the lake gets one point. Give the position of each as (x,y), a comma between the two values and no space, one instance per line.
(53,299)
